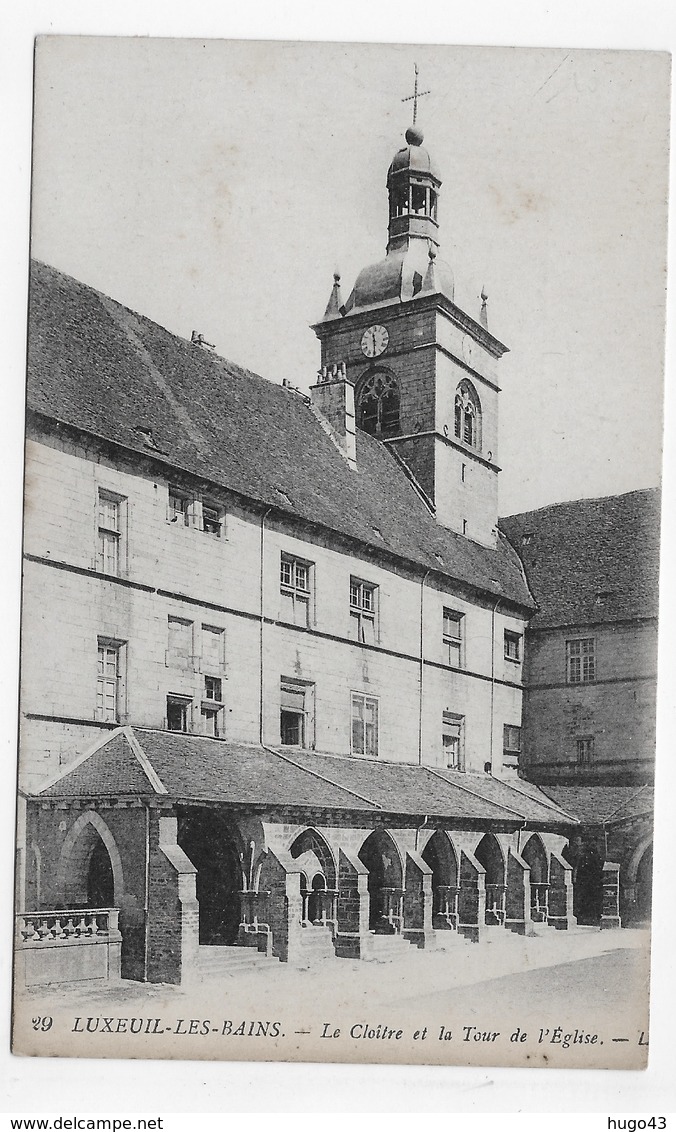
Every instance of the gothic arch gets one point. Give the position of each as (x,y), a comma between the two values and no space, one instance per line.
(311,841)
(76,853)
(380,854)
(489,854)
(635,859)
(467,415)
(440,855)
(535,856)
(378,402)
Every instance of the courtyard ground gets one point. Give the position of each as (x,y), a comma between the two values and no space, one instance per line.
(580,997)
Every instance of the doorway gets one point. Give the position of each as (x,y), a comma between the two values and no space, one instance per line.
(209,843)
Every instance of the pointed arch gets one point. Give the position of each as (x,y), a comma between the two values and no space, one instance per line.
(380,853)
(489,854)
(467,409)
(89,831)
(312,841)
(440,855)
(535,856)
(378,402)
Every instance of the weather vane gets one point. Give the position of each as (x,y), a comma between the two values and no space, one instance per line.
(416,95)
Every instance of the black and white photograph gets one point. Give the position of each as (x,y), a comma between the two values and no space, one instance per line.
(341,553)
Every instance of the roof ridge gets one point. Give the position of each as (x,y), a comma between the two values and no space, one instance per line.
(656,490)
(437,774)
(322,777)
(146,766)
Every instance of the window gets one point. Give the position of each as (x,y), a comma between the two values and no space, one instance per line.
(511,745)
(212,706)
(294,585)
(512,646)
(109,681)
(294,704)
(179,643)
(581,660)
(467,415)
(213,688)
(453,638)
(363,611)
(452,740)
(108,559)
(585,750)
(379,405)
(213,649)
(179,711)
(179,507)
(212,520)
(364,725)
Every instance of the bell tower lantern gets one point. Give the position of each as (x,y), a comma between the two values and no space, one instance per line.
(423,369)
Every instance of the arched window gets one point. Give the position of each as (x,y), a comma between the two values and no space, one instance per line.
(379,405)
(467,415)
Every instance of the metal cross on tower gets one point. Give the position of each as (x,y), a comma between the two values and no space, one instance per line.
(416,95)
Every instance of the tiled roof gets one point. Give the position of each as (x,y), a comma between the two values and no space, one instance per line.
(100,368)
(590,561)
(196,769)
(596,804)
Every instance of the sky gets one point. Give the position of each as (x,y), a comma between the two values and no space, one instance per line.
(217,186)
(115,229)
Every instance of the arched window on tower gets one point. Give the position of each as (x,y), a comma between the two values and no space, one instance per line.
(379,405)
(468,415)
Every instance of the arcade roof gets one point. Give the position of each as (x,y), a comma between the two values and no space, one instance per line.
(136,762)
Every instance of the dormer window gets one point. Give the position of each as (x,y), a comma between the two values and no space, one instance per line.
(379,405)
(467,415)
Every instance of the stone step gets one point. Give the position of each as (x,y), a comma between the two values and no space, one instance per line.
(316,945)
(385,947)
(228,959)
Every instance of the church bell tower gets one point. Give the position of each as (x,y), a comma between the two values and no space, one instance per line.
(423,370)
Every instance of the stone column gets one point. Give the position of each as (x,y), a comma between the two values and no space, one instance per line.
(418,901)
(560,911)
(517,897)
(472,899)
(610,909)
(352,906)
(173,911)
(280,877)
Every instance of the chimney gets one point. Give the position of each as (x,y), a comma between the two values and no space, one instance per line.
(333,403)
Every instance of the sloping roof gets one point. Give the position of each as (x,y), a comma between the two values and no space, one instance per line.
(607,804)
(192,768)
(99,367)
(590,561)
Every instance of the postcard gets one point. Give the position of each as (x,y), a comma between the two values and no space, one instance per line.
(341,553)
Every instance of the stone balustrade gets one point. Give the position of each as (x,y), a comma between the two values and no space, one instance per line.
(34,929)
(67,945)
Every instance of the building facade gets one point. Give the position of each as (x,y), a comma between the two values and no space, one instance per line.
(273,645)
(590,676)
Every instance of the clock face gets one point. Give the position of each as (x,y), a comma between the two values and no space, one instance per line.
(374,341)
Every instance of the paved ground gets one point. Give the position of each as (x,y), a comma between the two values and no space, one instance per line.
(585,979)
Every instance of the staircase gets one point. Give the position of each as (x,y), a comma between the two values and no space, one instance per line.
(384,948)
(316,945)
(212,962)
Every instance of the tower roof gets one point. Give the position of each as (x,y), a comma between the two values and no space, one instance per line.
(413,157)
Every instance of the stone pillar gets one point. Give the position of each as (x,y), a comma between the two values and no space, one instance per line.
(560,905)
(610,909)
(173,911)
(352,907)
(418,901)
(517,896)
(472,899)
(280,878)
